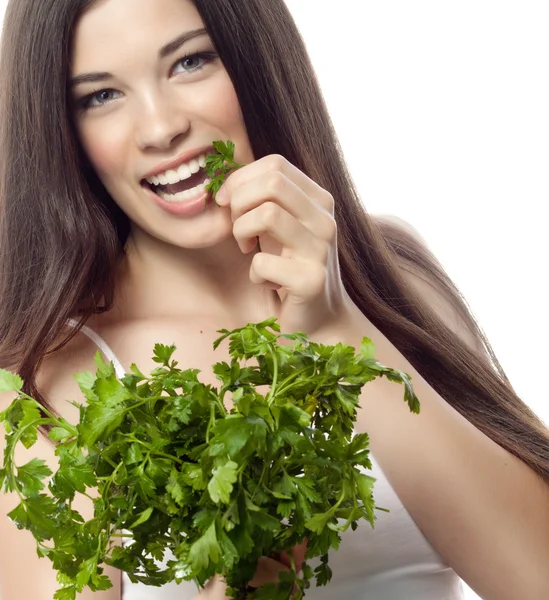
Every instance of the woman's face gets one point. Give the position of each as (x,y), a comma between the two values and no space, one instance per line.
(148,104)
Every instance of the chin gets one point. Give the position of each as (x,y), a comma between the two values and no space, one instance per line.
(192,235)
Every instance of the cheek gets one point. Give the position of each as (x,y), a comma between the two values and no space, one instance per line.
(105,148)
(234,125)
(223,103)
(230,108)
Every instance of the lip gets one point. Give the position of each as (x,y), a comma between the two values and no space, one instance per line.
(187,209)
(176,162)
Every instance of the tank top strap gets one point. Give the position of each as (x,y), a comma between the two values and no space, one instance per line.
(103,346)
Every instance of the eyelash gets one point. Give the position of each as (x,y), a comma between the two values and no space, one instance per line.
(85,102)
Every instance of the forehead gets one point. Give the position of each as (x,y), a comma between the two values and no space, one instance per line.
(111,27)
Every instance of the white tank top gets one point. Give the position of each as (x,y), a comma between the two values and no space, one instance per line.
(393,561)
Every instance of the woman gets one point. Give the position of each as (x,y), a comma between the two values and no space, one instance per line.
(100,98)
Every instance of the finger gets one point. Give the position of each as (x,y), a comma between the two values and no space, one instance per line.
(298,553)
(215,588)
(272,185)
(277,166)
(301,279)
(276,188)
(267,571)
(270,218)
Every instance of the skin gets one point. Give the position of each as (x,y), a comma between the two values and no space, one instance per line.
(482,509)
(151,110)
(161,108)
(271,249)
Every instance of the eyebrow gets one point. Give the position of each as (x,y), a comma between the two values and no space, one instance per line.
(165,51)
(174,45)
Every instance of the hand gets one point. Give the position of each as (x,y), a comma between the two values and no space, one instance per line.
(293,218)
(267,572)
(269,568)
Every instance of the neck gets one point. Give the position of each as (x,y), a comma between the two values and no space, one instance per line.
(158,280)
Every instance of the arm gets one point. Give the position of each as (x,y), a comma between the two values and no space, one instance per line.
(22,574)
(483,509)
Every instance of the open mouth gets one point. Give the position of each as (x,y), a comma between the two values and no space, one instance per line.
(182,190)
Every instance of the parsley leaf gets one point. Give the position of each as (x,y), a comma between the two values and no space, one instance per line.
(221,483)
(10,382)
(204,550)
(220,165)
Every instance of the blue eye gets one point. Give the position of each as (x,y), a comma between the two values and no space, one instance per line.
(194,62)
(96,99)
(188,64)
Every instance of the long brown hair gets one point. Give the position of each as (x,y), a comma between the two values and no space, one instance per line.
(61,235)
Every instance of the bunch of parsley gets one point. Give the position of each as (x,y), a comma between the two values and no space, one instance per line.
(168,466)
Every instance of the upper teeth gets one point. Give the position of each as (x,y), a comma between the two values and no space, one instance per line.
(180,174)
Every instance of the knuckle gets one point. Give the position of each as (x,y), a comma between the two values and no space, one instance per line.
(274,183)
(276,162)
(270,213)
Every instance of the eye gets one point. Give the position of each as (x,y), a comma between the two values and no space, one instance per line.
(190,63)
(96,99)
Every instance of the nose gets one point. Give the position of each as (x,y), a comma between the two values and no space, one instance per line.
(159,122)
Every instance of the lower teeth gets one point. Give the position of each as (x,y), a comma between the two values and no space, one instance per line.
(186,194)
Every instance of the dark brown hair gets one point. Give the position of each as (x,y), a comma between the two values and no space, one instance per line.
(61,235)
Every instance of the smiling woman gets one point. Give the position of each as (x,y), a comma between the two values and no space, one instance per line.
(107,110)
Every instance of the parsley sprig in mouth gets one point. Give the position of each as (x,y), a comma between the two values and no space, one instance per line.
(169,466)
(219,166)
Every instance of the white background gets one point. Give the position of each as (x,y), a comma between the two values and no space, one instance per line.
(442,112)
(441,108)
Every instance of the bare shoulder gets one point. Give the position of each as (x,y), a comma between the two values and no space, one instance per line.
(401,224)
(18,557)
(451,309)
(56,379)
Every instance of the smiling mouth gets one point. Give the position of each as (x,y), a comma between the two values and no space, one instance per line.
(172,189)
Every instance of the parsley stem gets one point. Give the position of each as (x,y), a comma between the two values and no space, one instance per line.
(150,449)
(272,391)
(320,384)
(266,467)
(211,422)
(17,437)
(339,501)
(109,482)
(58,421)
(219,402)
(111,462)
(288,383)
(144,401)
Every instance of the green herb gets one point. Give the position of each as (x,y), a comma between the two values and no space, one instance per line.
(175,470)
(219,166)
